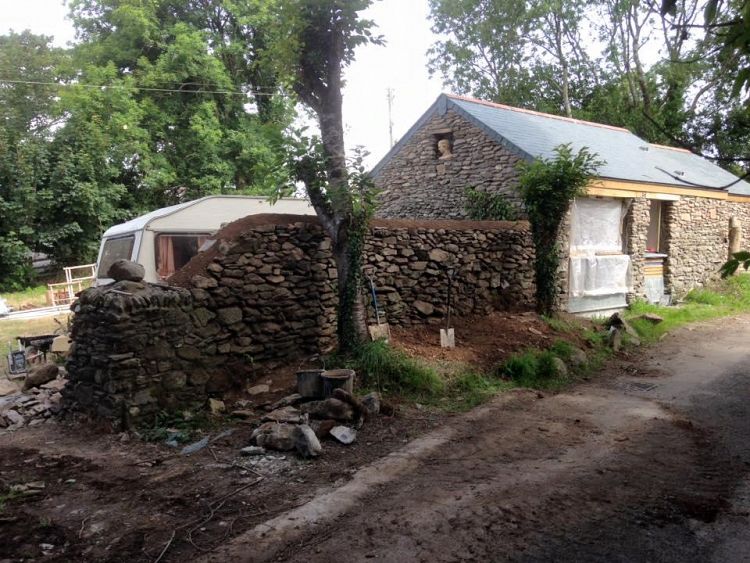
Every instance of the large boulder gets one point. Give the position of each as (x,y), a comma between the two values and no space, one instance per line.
(126,270)
(41,375)
(330,408)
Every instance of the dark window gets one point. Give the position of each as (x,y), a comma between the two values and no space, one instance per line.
(114,249)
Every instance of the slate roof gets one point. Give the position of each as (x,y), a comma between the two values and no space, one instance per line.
(533,134)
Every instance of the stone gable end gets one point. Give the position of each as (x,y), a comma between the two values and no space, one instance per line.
(417,183)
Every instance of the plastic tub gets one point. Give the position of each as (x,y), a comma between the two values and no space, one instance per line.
(310,383)
(337,379)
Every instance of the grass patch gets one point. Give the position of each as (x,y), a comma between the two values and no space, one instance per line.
(10,329)
(558,324)
(29,298)
(468,389)
(724,298)
(393,371)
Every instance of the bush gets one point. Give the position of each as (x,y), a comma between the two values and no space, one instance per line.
(486,206)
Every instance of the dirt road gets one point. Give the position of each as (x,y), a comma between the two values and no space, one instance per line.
(648,464)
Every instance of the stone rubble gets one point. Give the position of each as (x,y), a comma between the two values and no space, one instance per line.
(32,406)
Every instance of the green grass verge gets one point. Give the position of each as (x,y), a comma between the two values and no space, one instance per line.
(29,298)
(722,299)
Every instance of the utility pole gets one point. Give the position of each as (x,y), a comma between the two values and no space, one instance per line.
(389,96)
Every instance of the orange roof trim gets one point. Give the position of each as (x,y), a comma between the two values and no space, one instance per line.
(532,112)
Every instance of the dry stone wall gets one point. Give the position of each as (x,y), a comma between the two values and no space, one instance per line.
(416,183)
(127,359)
(265,295)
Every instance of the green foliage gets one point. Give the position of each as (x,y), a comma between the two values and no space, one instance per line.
(725,298)
(27,298)
(469,388)
(394,371)
(548,186)
(738,259)
(562,349)
(535,369)
(178,426)
(486,206)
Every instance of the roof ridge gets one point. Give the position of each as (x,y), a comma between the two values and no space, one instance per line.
(533,112)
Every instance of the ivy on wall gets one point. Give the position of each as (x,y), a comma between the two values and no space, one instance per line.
(548,187)
(487,206)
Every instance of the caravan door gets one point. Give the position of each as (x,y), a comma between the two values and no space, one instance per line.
(599,273)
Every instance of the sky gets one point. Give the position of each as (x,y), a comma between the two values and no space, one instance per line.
(401,65)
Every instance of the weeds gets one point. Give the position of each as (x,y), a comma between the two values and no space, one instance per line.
(394,371)
(8,496)
(179,427)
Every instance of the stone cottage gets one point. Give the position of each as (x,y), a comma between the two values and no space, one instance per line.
(654,224)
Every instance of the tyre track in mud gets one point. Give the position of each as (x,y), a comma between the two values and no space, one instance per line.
(638,470)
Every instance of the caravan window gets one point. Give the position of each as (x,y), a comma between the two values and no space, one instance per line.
(173,251)
(114,249)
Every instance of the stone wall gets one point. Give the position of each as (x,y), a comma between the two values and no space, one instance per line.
(696,240)
(269,293)
(265,295)
(127,359)
(416,183)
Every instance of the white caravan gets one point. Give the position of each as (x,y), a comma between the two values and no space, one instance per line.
(164,240)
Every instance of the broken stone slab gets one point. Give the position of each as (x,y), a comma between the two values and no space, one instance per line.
(289,400)
(344,434)
(258,389)
(195,446)
(55,384)
(41,375)
(306,442)
(252,451)
(126,270)
(329,408)
(243,413)
(371,402)
(651,317)
(275,436)
(284,414)
(13,416)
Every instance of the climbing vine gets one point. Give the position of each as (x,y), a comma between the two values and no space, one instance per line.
(548,187)
(487,206)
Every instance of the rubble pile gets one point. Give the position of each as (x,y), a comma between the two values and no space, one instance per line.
(34,405)
(296,423)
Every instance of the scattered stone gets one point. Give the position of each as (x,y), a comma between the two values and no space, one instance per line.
(216,406)
(41,375)
(195,446)
(126,270)
(344,434)
(289,400)
(424,308)
(253,451)
(306,442)
(578,358)
(329,408)
(258,389)
(371,402)
(360,411)
(615,339)
(243,413)
(651,317)
(561,370)
(55,384)
(13,417)
(322,428)
(532,330)
(284,414)
(275,436)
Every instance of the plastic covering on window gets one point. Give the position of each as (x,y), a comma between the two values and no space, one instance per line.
(597,265)
(599,275)
(596,226)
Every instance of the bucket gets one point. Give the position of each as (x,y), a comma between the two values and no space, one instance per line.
(309,383)
(337,379)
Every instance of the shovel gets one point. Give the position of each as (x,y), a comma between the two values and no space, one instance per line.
(380,331)
(447,336)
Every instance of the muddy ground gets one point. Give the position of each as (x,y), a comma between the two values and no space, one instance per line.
(649,461)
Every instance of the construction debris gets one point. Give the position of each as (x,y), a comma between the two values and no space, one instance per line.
(344,434)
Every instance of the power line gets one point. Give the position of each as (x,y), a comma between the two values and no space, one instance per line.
(139,88)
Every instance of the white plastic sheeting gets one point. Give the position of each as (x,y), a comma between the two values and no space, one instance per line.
(599,275)
(597,265)
(596,225)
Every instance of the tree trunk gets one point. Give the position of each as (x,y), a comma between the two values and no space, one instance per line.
(351,320)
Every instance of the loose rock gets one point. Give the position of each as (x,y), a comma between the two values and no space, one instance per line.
(41,375)
(275,436)
(306,442)
(252,451)
(126,270)
(216,406)
(285,414)
(258,389)
(344,434)
(329,408)
(371,402)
